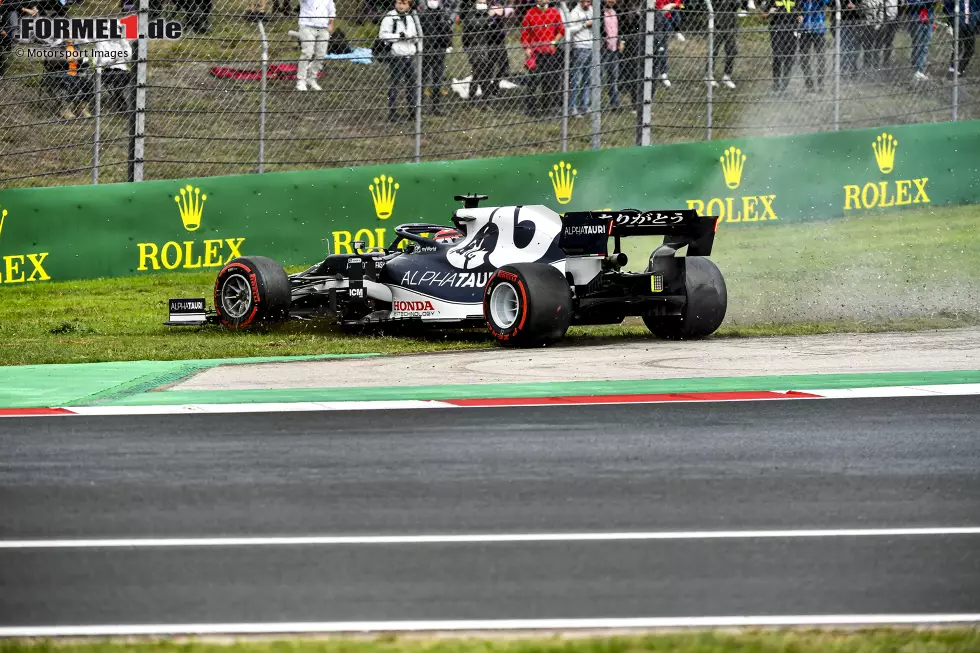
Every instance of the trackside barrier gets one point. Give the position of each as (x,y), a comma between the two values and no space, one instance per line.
(112,230)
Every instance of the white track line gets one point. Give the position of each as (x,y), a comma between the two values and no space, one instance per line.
(475,538)
(900,391)
(486,625)
(298,406)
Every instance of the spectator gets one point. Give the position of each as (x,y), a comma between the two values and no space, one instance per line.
(197,14)
(451,7)
(920,18)
(882,17)
(851,36)
(53,8)
(373,10)
(155,7)
(541,30)
(499,61)
(580,38)
(726,34)
(612,50)
(10,15)
(661,36)
(969,26)
(674,22)
(479,42)
(631,33)
(782,40)
(521,6)
(437,29)
(401,32)
(316,20)
(813,28)
(75,88)
(259,9)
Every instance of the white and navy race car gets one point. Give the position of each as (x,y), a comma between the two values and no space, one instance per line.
(526,273)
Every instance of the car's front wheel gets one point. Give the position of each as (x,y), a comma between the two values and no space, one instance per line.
(251,290)
(527,305)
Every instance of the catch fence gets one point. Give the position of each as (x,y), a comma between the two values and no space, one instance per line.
(223,98)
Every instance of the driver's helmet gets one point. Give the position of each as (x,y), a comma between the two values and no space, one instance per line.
(448,236)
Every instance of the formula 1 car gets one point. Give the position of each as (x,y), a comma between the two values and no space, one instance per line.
(526,273)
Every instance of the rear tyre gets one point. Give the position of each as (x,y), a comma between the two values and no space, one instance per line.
(251,291)
(527,305)
(707,303)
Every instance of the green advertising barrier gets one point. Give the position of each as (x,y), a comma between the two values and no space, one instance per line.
(117,230)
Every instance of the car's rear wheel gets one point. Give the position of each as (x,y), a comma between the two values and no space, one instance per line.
(250,291)
(707,303)
(527,305)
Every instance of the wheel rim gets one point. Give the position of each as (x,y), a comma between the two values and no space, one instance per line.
(235,296)
(504,305)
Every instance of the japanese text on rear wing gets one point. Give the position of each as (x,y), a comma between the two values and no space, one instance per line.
(649,218)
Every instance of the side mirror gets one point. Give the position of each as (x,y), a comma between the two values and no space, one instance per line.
(358,246)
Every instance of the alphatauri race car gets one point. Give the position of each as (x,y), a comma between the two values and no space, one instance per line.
(526,273)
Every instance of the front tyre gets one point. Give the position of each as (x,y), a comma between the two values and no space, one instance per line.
(251,290)
(707,303)
(527,305)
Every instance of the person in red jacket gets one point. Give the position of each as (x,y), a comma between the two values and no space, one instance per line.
(541,31)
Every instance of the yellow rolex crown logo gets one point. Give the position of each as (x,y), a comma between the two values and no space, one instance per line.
(3,216)
(383,192)
(563,181)
(732,163)
(191,205)
(884,147)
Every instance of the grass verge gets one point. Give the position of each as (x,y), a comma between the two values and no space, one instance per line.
(891,271)
(952,640)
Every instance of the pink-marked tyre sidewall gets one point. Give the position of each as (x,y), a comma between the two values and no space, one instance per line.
(251,291)
(527,305)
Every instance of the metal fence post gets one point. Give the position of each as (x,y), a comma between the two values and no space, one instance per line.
(566,68)
(956,59)
(595,76)
(644,113)
(137,149)
(97,132)
(420,52)
(262,87)
(836,65)
(710,69)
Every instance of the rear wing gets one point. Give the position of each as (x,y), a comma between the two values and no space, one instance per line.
(587,233)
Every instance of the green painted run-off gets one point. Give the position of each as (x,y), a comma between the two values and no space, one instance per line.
(29,386)
(142,383)
(565,388)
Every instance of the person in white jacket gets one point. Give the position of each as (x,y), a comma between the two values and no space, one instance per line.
(316,18)
(882,24)
(579,27)
(401,30)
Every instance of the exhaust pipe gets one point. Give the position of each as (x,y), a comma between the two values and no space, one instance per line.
(617,260)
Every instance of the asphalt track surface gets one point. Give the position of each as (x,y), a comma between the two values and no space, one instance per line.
(802,464)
